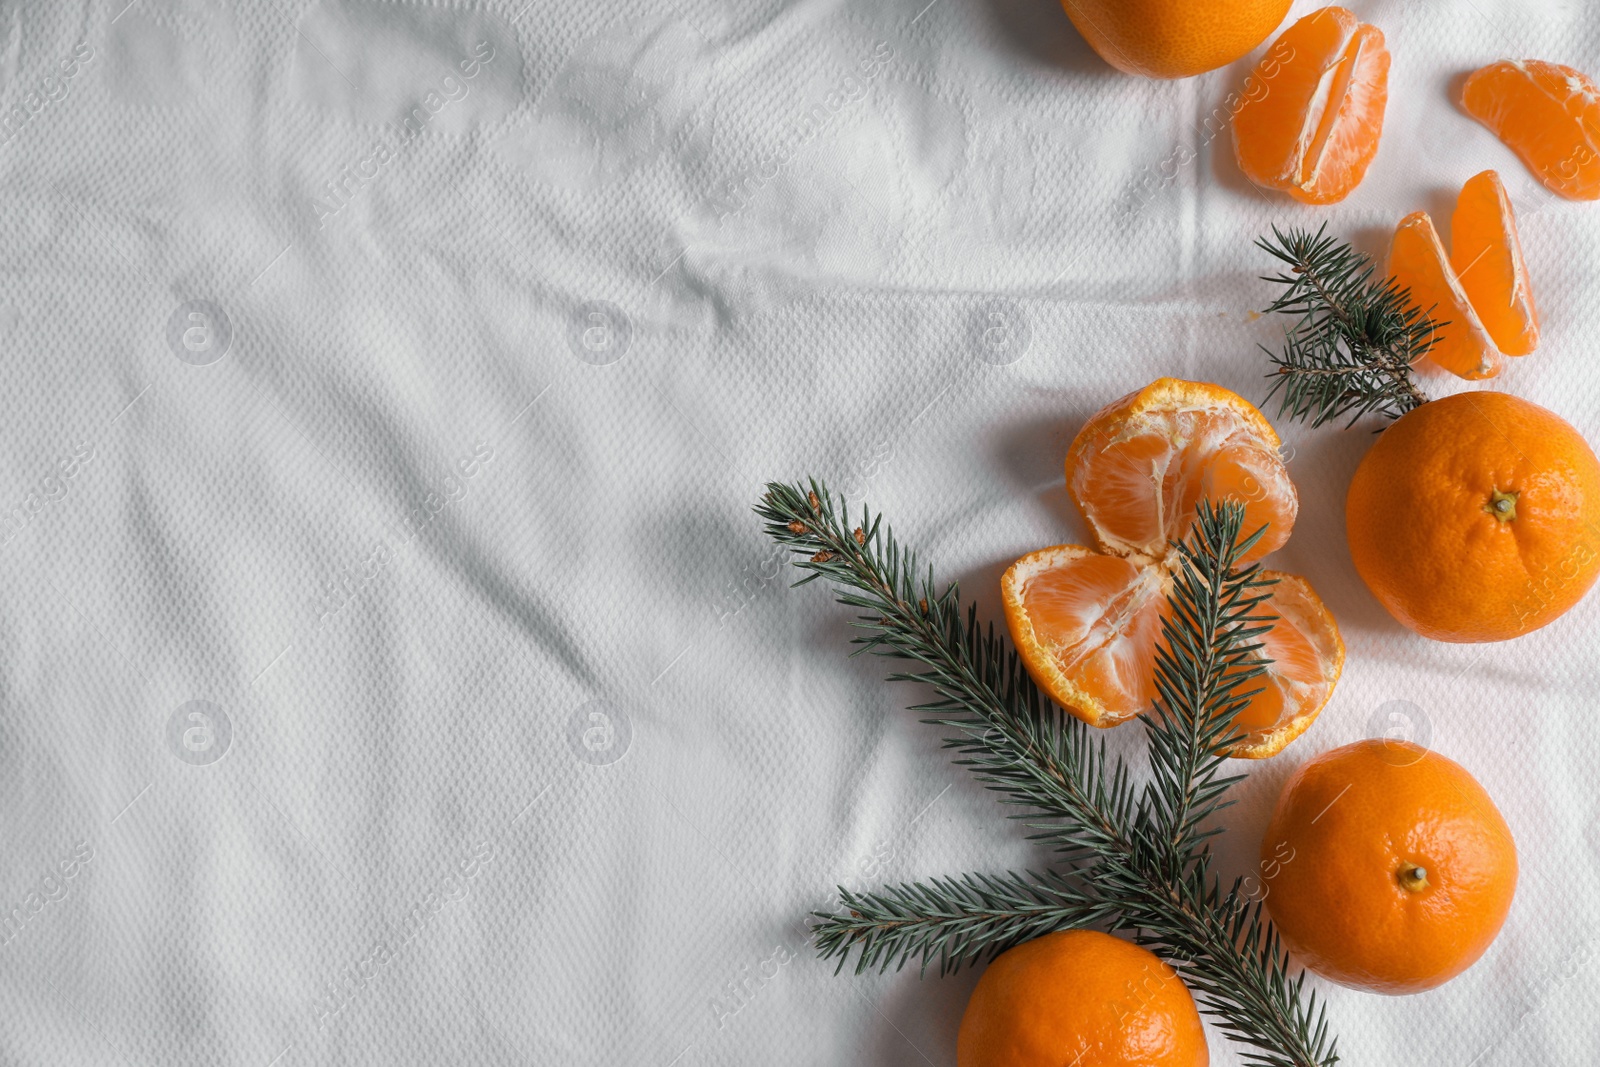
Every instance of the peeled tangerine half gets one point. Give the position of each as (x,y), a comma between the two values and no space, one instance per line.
(1418,263)
(1140,465)
(1487,256)
(1314,128)
(1087,621)
(1547,114)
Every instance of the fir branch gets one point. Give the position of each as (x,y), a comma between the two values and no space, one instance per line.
(957,921)
(1147,860)
(1209,649)
(1024,747)
(1356,337)
(1235,965)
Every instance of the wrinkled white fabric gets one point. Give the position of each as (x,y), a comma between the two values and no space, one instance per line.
(393,670)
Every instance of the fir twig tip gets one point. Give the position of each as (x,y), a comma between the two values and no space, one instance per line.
(1355,337)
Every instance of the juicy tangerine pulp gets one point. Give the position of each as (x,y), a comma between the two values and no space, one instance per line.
(1417,261)
(1486,254)
(1099,618)
(1136,481)
(1302,647)
(1547,114)
(1088,622)
(1315,130)
(1478,294)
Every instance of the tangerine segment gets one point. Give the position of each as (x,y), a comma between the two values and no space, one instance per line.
(1547,114)
(1307,657)
(1138,468)
(1086,626)
(1418,264)
(1315,130)
(1487,257)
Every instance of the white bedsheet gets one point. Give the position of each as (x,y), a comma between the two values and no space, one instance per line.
(393,671)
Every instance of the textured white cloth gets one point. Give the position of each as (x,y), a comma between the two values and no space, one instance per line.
(395,379)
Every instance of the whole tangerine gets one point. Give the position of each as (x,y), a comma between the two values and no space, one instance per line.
(1174,38)
(1387,867)
(1476,517)
(1084,998)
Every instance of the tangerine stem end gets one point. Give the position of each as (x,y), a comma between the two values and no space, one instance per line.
(1414,879)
